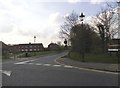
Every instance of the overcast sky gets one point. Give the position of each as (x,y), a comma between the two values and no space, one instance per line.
(21,20)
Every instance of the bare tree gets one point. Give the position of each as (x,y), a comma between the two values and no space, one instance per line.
(104,21)
(70,21)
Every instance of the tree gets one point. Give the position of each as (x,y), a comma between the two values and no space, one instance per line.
(102,35)
(104,22)
(82,39)
(70,21)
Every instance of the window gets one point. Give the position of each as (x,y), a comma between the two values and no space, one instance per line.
(31,50)
(26,49)
(22,49)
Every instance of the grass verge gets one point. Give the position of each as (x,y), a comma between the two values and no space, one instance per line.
(30,54)
(98,58)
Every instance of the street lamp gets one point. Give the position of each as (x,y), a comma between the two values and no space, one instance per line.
(82,16)
(34,38)
(34,44)
(118,31)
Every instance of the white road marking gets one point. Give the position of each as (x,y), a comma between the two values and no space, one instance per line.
(116,73)
(67,66)
(57,65)
(38,64)
(30,63)
(24,62)
(32,60)
(47,64)
(8,73)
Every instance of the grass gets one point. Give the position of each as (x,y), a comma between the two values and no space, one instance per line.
(97,58)
(30,54)
(5,56)
(41,53)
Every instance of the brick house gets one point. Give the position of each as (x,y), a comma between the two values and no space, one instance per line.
(3,47)
(53,46)
(27,47)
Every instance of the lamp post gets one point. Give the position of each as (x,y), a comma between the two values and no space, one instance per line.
(34,39)
(28,49)
(118,19)
(83,48)
(118,30)
(34,44)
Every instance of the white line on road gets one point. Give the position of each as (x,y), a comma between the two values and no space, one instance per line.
(32,60)
(8,73)
(24,62)
(47,64)
(30,63)
(57,65)
(38,64)
(67,66)
(116,73)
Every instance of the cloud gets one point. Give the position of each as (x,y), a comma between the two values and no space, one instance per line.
(100,1)
(6,25)
(21,20)
(97,1)
(74,1)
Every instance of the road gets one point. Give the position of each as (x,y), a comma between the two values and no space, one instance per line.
(44,71)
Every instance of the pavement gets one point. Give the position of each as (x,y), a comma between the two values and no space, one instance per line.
(89,65)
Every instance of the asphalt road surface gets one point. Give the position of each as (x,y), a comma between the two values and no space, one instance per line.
(45,71)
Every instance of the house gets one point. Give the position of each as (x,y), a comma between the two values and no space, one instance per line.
(53,46)
(27,47)
(3,47)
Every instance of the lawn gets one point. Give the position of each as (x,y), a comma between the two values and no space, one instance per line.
(27,54)
(98,58)
(5,56)
(30,54)
(41,53)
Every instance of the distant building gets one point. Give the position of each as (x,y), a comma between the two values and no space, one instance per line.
(4,48)
(53,46)
(27,47)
